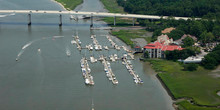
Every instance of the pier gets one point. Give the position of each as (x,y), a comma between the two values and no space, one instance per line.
(114,45)
(96,43)
(77,42)
(129,67)
(107,68)
(86,72)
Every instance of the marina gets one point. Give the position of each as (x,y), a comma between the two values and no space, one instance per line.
(105,60)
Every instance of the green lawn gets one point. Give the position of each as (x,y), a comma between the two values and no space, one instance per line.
(70,4)
(198,85)
(112,6)
(127,35)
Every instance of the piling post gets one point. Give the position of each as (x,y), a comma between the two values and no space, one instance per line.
(29,19)
(91,25)
(60,24)
(133,21)
(114,20)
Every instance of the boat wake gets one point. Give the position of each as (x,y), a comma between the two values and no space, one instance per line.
(2,16)
(31,42)
(68,52)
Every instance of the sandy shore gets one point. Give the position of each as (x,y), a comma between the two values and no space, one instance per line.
(60,5)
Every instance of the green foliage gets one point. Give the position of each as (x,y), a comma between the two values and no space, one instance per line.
(146,54)
(176,34)
(190,67)
(206,37)
(199,8)
(196,28)
(212,59)
(176,54)
(216,31)
(188,41)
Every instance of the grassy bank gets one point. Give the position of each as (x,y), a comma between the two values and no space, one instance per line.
(127,35)
(112,7)
(70,4)
(198,85)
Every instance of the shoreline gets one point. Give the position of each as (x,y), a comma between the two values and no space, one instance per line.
(61,5)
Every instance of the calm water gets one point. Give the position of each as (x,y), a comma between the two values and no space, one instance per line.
(49,80)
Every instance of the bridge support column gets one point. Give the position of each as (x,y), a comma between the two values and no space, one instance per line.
(60,24)
(91,25)
(133,21)
(114,20)
(29,19)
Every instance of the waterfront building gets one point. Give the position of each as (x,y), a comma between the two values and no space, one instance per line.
(157,49)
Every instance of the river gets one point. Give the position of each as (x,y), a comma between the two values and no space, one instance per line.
(49,80)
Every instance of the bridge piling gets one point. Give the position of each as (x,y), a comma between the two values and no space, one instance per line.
(91,25)
(114,20)
(60,24)
(29,19)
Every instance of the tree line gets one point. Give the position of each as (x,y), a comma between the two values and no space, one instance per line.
(185,8)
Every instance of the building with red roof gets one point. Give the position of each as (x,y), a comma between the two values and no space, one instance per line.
(157,49)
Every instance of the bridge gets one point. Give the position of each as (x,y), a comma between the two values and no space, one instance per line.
(91,14)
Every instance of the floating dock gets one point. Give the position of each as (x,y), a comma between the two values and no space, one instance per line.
(96,43)
(107,68)
(77,42)
(86,72)
(114,45)
(129,67)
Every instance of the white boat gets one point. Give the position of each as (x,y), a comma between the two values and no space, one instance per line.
(38,50)
(73,42)
(87,81)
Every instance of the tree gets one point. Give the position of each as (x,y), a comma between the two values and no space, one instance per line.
(188,41)
(206,37)
(216,32)
(146,54)
(176,34)
(196,28)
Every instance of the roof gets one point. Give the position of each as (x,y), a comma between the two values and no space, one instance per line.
(157,45)
(168,30)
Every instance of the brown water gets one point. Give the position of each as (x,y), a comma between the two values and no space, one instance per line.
(49,80)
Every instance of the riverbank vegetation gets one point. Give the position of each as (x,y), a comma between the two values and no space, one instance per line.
(70,4)
(198,85)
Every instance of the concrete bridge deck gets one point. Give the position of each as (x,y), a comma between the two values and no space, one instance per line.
(98,14)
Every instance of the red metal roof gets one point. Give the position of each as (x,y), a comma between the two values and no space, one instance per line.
(157,45)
